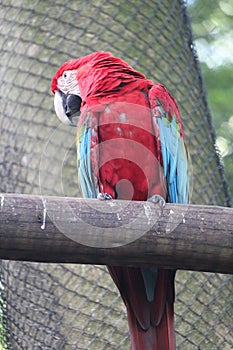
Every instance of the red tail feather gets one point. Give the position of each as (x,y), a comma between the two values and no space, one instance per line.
(161,337)
(151,324)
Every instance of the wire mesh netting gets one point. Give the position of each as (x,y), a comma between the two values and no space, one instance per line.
(65,306)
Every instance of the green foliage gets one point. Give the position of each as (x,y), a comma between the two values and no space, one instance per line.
(211,19)
(212,24)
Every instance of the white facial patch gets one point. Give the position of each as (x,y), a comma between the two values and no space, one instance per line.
(68,83)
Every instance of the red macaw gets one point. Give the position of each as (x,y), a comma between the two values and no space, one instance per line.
(122,112)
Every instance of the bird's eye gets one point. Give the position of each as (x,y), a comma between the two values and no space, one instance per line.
(65,75)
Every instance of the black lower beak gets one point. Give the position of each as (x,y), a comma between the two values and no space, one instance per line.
(71,105)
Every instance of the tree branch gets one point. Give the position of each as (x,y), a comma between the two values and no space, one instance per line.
(54,229)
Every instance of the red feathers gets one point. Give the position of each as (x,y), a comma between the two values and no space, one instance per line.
(123,118)
(99,74)
(151,324)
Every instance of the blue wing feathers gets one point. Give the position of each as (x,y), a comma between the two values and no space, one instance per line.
(86,177)
(175,163)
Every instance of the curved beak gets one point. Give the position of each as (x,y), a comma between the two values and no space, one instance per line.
(66,107)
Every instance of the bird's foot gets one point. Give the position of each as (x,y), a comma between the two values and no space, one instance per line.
(104,196)
(157,199)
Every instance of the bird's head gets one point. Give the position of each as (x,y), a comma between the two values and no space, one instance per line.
(91,77)
(67,97)
(72,83)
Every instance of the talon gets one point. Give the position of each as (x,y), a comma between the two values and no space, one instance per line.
(157,199)
(107,196)
(104,196)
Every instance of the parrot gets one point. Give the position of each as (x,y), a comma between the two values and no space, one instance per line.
(130,146)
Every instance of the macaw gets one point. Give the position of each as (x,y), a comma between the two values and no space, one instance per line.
(141,155)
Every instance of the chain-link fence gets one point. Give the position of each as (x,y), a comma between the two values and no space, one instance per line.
(64,306)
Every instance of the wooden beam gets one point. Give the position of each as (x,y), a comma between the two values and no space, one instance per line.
(90,231)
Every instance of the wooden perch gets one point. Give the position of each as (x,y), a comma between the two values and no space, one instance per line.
(90,231)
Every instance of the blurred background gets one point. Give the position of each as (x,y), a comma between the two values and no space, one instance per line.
(212,25)
(68,306)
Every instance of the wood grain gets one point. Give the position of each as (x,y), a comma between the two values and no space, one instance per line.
(74,230)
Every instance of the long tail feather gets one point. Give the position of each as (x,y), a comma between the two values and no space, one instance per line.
(151,323)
